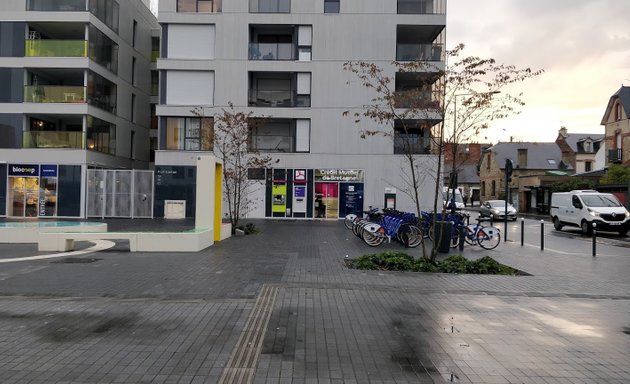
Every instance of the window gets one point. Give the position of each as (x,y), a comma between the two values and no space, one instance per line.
(270,6)
(280,135)
(588,166)
(131,144)
(483,188)
(411,139)
(551,161)
(488,161)
(200,6)
(189,134)
(618,112)
(494,188)
(133,71)
(331,6)
(588,146)
(135,34)
(133,108)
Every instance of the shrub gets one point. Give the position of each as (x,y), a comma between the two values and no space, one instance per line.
(423,265)
(248,229)
(488,265)
(454,264)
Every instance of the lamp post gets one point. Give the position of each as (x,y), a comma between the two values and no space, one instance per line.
(453,177)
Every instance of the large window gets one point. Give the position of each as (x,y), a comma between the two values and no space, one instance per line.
(280,135)
(103,50)
(331,6)
(208,6)
(101,136)
(189,134)
(101,92)
(270,6)
(106,11)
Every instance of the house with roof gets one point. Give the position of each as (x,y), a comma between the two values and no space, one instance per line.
(535,167)
(465,157)
(584,151)
(616,121)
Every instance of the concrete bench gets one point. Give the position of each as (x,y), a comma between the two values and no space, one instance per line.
(189,241)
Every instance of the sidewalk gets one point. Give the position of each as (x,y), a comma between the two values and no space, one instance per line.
(285,300)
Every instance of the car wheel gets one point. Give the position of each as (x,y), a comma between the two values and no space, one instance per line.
(556,224)
(586,227)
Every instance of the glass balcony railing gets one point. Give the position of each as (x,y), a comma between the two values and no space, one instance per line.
(53,139)
(422,7)
(56,5)
(271,51)
(155,55)
(56,48)
(421,99)
(411,143)
(277,98)
(419,52)
(54,94)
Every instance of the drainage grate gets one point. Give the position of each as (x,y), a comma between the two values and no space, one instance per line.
(75,260)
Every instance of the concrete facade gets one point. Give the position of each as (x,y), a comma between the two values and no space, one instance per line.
(80,89)
(283,60)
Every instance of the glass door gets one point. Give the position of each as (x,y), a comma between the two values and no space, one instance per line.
(23,196)
(31,197)
(327,200)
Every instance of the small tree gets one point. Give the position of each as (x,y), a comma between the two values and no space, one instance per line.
(430,102)
(230,132)
(616,174)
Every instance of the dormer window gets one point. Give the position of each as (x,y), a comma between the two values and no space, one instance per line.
(588,146)
(551,161)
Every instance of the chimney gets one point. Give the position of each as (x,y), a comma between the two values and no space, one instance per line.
(563,132)
(522,158)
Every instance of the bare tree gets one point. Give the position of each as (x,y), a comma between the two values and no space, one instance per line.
(424,107)
(230,135)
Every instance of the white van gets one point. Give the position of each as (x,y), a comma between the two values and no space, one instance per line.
(456,196)
(582,208)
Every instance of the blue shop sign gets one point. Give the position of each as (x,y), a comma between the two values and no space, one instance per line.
(23,170)
(49,170)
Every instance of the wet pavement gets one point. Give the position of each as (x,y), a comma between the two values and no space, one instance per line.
(120,317)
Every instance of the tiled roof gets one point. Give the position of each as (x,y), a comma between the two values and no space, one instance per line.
(545,156)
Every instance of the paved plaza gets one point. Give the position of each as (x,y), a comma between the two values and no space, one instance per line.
(281,307)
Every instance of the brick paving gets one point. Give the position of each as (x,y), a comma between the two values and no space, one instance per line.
(176,318)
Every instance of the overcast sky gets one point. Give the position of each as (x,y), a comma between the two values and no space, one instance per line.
(583,46)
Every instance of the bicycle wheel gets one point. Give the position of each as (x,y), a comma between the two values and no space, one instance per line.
(348,221)
(488,238)
(468,237)
(455,237)
(416,237)
(372,239)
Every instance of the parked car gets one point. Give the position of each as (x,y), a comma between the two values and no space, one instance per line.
(583,208)
(495,209)
(453,196)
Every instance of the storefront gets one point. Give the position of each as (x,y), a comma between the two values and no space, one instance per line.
(35,190)
(314,193)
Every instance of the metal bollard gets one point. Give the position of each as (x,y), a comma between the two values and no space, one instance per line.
(462,233)
(594,239)
(542,235)
(522,231)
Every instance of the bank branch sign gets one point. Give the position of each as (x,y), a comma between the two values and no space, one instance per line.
(339,175)
(23,170)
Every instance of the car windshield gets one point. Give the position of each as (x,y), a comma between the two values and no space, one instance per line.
(498,204)
(603,200)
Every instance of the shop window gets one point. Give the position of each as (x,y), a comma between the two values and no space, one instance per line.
(189,134)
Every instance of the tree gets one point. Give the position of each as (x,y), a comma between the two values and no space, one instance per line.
(616,174)
(229,133)
(429,104)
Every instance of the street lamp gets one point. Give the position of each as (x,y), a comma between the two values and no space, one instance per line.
(453,177)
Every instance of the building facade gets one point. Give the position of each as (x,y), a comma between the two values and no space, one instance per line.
(75,96)
(617,122)
(283,61)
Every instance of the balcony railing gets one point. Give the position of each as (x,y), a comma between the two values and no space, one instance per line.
(56,48)
(419,52)
(411,144)
(155,55)
(54,94)
(56,5)
(277,98)
(615,155)
(272,51)
(422,7)
(53,139)
(417,99)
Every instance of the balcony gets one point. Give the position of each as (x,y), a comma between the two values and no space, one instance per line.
(56,5)
(272,51)
(54,94)
(422,7)
(282,98)
(419,99)
(55,48)
(615,155)
(419,52)
(411,144)
(53,139)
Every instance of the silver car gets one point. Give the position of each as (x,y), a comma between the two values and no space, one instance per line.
(495,209)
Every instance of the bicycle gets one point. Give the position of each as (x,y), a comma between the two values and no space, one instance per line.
(486,237)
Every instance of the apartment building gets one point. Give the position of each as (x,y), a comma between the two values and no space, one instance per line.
(283,61)
(75,96)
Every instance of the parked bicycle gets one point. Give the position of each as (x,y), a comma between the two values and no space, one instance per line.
(377,227)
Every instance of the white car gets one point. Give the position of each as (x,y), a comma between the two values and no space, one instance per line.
(495,209)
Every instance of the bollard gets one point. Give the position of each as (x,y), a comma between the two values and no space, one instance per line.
(594,239)
(462,234)
(522,231)
(542,235)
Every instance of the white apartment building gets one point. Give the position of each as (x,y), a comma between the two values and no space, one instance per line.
(283,60)
(76,88)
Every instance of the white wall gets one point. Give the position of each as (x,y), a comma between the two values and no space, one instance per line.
(190,88)
(191,41)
